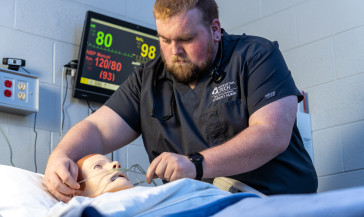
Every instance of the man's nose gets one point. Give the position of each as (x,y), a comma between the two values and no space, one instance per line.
(176,48)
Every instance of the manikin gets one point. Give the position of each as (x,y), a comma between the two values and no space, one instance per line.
(97,174)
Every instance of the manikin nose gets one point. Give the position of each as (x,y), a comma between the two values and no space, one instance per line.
(116,164)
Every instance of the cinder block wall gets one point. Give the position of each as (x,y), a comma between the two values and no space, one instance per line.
(322,41)
(47,34)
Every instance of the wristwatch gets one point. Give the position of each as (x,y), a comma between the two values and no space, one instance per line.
(197,159)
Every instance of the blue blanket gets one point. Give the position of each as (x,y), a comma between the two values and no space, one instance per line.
(338,203)
(346,202)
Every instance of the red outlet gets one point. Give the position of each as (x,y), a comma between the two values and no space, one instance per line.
(8,83)
(7,93)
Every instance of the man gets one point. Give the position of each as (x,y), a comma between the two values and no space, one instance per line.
(212,105)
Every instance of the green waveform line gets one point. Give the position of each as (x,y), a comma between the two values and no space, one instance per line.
(111,50)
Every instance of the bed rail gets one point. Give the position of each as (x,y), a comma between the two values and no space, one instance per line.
(234,186)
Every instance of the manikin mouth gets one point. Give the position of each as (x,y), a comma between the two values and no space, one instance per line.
(118,175)
(115,177)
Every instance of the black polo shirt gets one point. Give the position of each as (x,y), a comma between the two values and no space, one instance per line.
(212,113)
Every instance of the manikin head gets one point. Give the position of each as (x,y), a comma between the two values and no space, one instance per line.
(97,169)
(189,35)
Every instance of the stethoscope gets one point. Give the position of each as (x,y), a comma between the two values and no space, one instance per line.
(217,75)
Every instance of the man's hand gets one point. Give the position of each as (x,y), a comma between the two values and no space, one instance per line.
(170,166)
(60,177)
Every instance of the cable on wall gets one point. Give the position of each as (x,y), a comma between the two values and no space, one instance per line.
(68,69)
(11,150)
(63,102)
(25,70)
(36,133)
(35,143)
(89,106)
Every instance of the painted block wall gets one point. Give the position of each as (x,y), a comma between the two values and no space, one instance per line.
(47,34)
(322,42)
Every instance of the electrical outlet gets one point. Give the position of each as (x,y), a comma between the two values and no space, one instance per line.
(19,92)
(21,95)
(22,86)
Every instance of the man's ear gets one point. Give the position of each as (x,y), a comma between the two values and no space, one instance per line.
(216,30)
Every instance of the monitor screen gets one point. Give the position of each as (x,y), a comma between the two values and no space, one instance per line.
(110,50)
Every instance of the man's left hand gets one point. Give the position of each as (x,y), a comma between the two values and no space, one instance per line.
(170,166)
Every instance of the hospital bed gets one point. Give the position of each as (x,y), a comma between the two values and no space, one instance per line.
(24,194)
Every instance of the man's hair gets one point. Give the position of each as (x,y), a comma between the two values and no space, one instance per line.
(167,8)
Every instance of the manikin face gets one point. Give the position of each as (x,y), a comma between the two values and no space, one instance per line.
(188,47)
(103,180)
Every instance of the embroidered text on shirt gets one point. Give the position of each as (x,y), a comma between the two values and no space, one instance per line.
(224,90)
(269,95)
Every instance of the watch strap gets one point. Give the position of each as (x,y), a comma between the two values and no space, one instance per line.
(199,170)
(197,159)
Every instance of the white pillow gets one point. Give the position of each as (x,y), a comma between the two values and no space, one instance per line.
(22,193)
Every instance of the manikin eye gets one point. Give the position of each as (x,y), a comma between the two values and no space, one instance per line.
(97,167)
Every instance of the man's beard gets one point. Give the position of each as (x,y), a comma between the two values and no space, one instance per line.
(188,72)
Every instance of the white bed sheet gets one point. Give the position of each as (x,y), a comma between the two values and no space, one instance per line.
(22,193)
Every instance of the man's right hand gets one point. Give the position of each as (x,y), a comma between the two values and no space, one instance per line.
(60,177)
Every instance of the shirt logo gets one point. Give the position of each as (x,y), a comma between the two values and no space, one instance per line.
(224,90)
(270,95)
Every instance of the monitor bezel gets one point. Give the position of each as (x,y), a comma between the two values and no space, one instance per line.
(92,93)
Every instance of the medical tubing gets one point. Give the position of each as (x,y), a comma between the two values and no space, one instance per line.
(131,169)
(109,171)
(142,171)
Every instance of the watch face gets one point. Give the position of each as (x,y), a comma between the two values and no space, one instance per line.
(196,157)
